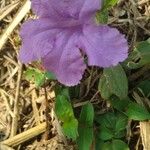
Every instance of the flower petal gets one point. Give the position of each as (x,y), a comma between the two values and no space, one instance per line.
(38,39)
(43,8)
(68,8)
(66,61)
(57,9)
(89,9)
(104,45)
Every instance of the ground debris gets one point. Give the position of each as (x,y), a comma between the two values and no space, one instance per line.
(22,105)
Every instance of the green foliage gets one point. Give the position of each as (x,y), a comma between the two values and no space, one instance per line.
(107,4)
(118,104)
(87,115)
(114,145)
(119,145)
(63,108)
(145,87)
(86,127)
(38,76)
(70,128)
(104,88)
(35,75)
(137,112)
(108,132)
(98,143)
(62,91)
(140,55)
(132,110)
(64,112)
(50,75)
(113,82)
(74,92)
(112,125)
(102,15)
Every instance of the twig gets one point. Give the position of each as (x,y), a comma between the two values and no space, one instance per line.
(58,127)
(143,2)
(11,75)
(11,60)
(4,124)
(20,15)
(145,131)
(80,104)
(139,73)
(5,147)
(47,114)
(27,135)
(92,99)
(142,27)
(15,119)
(3,93)
(35,109)
(4,12)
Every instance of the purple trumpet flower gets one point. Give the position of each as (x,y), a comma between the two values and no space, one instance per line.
(64,32)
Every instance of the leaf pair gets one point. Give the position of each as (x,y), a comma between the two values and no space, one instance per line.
(64,112)
(133,110)
(112,125)
(112,128)
(84,132)
(113,86)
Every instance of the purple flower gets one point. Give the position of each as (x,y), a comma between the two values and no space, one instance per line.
(64,32)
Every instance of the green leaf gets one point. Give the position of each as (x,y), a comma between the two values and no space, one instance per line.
(106,133)
(119,145)
(99,143)
(102,16)
(114,145)
(63,108)
(107,4)
(70,128)
(29,74)
(137,112)
(60,90)
(112,125)
(86,127)
(106,146)
(36,75)
(107,120)
(121,122)
(87,115)
(118,104)
(145,87)
(64,112)
(140,56)
(85,138)
(39,79)
(50,75)
(104,88)
(74,92)
(113,82)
